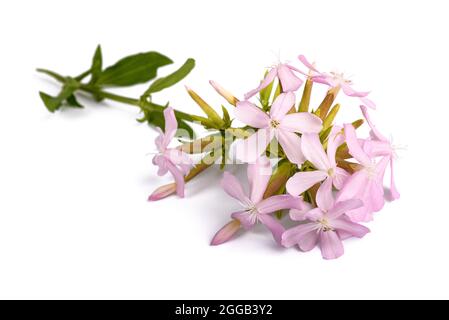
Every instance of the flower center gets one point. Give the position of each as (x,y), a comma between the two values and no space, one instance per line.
(274,124)
(340,79)
(253,214)
(331,172)
(371,170)
(325,225)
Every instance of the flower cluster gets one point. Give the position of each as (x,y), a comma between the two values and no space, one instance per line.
(301,166)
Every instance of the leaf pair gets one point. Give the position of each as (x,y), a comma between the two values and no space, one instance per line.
(131,70)
(66,96)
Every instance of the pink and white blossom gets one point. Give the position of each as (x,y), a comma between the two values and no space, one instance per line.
(254,208)
(285,73)
(379,145)
(326,225)
(168,159)
(277,124)
(323,161)
(365,184)
(337,80)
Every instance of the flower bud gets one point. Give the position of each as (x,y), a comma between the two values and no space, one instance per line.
(225,233)
(224,93)
(162,192)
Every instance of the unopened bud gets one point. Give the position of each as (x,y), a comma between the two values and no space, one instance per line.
(224,93)
(225,234)
(162,192)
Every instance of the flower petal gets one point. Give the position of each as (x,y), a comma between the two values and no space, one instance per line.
(289,81)
(344,206)
(249,150)
(232,186)
(375,148)
(315,214)
(339,178)
(259,175)
(300,214)
(293,236)
(301,122)
(225,233)
(370,123)
(276,228)
(369,103)
(336,138)
(308,241)
(161,162)
(250,114)
(263,84)
(354,147)
(281,105)
(393,190)
(314,152)
(322,78)
(302,181)
(179,158)
(306,62)
(354,185)
(331,245)
(349,91)
(346,225)
(171,125)
(179,178)
(291,144)
(324,196)
(279,202)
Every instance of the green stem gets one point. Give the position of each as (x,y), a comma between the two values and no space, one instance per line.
(144,105)
(110,96)
(140,103)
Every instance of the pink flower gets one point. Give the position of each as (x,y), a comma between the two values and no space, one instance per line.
(324,163)
(289,81)
(378,145)
(171,160)
(337,80)
(277,124)
(254,208)
(326,225)
(366,184)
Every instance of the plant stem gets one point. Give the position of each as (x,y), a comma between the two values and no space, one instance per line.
(142,104)
(110,96)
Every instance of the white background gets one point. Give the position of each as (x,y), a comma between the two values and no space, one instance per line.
(74,220)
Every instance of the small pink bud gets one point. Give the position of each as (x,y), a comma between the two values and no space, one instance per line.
(225,233)
(162,192)
(224,93)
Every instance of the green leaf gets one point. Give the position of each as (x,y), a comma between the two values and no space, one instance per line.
(134,69)
(97,65)
(73,102)
(54,103)
(52,74)
(171,79)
